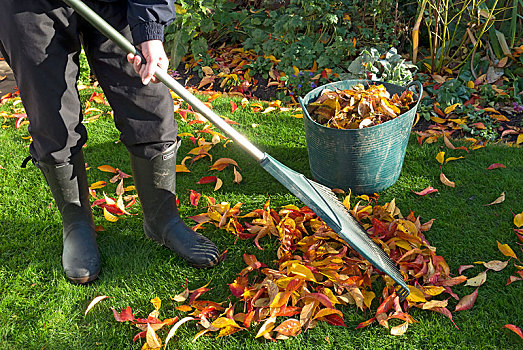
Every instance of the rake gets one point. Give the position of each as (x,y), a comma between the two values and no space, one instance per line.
(320,199)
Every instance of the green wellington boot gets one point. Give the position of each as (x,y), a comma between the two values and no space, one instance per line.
(155,182)
(68,183)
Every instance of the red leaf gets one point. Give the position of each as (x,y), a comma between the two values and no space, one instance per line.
(140,335)
(207,180)
(334,320)
(426,191)
(495,166)
(233,105)
(467,302)
(195,197)
(125,315)
(366,323)
(515,329)
(446,312)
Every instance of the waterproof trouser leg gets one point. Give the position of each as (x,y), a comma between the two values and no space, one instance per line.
(155,182)
(68,183)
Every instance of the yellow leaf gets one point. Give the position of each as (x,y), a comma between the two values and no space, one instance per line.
(452,158)
(500,199)
(518,220)
(435,303)
(175,327)
(157,302)
(98,184)
(470,84)
(179,9)
(441,157)
(506,250)
(109,217)
(368,296)
(438,120)
(519,139)
(266,327)
(180,168)
(296,70)
(219,183)
(433,290)
(478,280)
(416,295)
(450,109)
(301,271)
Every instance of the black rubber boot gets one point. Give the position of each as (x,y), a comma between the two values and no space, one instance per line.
(68,183)
(155,182)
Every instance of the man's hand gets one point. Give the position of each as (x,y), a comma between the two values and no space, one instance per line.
(154,55)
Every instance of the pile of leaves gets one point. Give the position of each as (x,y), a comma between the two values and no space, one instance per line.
(315,272)
(357,107)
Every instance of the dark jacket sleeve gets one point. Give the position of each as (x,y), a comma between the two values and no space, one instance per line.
(148,18)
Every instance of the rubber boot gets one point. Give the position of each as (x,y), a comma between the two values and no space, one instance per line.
(68,183)
(155,182)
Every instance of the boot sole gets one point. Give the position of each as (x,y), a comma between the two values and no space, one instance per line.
(83,280)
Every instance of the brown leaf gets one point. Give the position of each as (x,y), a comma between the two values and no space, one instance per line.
(290,327)
(498,200)
(446,181)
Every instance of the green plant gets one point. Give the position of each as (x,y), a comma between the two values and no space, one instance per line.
(85,71)
(479,123)
(388,67)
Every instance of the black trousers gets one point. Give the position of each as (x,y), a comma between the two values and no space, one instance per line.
(41,41)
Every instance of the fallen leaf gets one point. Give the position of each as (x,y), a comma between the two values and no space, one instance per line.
(219,184)
(467,302)
(478,280)
(153,341)
(518,220)
(463,268)
(98,184)
(222,163)
(107,169)
(495,166)
(125,315)
(498,200)
(94,302)
(496,265)
(237,176)
(207,180)
(109,217)
(195,197)
(426,191)
(290,327)
(175,327)
(515,329)
(440,157)
(400,329)
(446,181)
(506,250)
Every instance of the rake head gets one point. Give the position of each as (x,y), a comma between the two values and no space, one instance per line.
(321,200)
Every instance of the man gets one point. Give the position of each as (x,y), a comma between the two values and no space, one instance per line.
(41,41)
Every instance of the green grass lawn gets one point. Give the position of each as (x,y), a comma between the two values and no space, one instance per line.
(40,309)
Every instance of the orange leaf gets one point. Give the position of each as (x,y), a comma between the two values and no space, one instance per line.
(467,302)
(515,329)
(180,168)
(233,106)
(107,169)
(222,163)
(195,197)
(446,181)
(290,327)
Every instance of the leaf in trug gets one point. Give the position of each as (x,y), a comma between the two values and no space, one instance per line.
(94,302)
(498,200)
(515,329)
(98,184)
(107,169)
(496,265)
(446,181)
(478,280)
(290,327)
(195,197)
(426,191)
(237,176)
(222,163)
(400,329)
(467,302)
(109,217)
(495,166)
(441,157)
(175,327)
